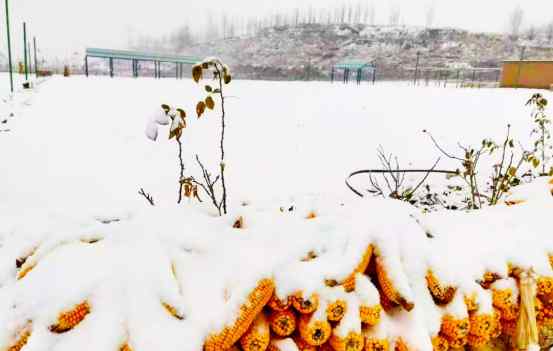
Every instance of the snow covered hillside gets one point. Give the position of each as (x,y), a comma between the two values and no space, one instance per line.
(309,50)
(86,263)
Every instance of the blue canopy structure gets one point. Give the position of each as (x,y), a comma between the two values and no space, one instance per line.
(137,56)
(357,66)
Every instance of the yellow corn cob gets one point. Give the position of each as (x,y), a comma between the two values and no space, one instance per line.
(441,294)
(545,289)
(455,331)
(503,302)
(258,336)
(349,282)
(386,304)
(550,256)
(303,305)
(453,328)
(488,279)
(257,299)
(172,311)
(22,339)
(374,344)
(335,310)
(351,342)
(283,323)
(401,345)
(470,302)
(439,343)
(20,261)
(527,329)
(25,269)
(303,345)
(544,312)
(482,328)
(497,330)
(370,315)
(455,344)
(502,298)
(387,289)
(279,305)
(125,347)
(70,319)
(314,331)
(546,333)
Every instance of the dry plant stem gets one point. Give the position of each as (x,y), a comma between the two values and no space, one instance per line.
(542,128)
(222,145)
(181,177)
(383,171)
(147,196)
(470,164)
(208,185)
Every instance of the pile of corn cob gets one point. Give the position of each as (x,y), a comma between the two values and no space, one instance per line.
(508,309)
(347,315)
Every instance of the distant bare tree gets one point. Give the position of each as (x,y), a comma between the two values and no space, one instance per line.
(328,17)
(549,32)
(531,33)
(430,15)
(395,15)
(357,13)
(372,14)
(181,38)
(296,17)
(515,22)
(231,28)
(211,31)
(224,25)
(342,15)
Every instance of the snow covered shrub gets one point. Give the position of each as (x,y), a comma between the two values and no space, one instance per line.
(477,187)
(504,175)
(214,187)
(541,129)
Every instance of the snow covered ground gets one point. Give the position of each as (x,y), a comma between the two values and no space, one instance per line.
(77,156)
(81,144)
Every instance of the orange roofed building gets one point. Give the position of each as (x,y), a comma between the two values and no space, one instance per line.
(527,74)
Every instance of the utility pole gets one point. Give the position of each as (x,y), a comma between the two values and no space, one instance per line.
(417,68)
(10,68)
(25,50)
(30,58)
(36,61)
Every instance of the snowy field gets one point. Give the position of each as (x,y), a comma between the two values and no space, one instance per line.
(76,156)
(81,144)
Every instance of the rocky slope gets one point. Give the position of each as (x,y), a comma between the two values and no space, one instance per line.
(309,50)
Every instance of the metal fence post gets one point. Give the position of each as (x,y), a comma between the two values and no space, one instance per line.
(10,68)
(36,60)
(25,50)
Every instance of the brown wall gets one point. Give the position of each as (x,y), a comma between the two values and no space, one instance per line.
(527,74)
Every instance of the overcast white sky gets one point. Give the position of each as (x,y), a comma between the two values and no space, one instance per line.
(66,26)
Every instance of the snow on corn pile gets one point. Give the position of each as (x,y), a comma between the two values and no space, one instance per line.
(368,275)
